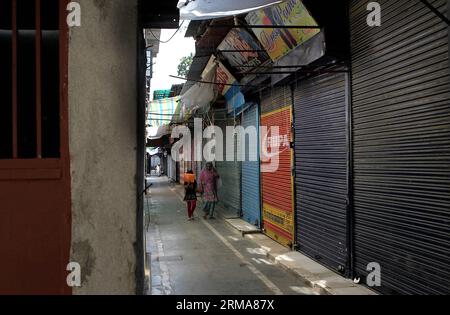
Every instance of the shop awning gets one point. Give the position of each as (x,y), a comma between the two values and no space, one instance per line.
(207,9)
(202,93)
(160,114)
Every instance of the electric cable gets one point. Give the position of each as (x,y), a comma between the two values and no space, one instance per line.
(165,42)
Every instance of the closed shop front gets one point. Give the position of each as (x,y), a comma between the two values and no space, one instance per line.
(321,154)
(186,163)
(251,205)
(230,173)
(197,169)
(401,117)
(276,167)
(172,168)
(155,161)
(182,168)
(197,165)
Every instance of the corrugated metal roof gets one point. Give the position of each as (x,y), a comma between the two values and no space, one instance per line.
(205,47)
(213,36)
(195,72)
(196,28)
(176,89)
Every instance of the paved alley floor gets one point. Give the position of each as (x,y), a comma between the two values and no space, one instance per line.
(206,257)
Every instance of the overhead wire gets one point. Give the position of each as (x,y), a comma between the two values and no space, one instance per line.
(167,41)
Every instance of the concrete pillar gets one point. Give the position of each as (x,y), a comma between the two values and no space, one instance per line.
(103,141)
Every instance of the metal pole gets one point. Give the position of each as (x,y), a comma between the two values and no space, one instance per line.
(140,250)
(294,173)
(267,26)
(240,50)
(350,203)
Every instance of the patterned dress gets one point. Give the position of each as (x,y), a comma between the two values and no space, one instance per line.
(208,184)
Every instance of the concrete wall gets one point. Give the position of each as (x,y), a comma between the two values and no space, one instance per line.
(102,111)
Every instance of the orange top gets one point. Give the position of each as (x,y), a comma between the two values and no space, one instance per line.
(189,178)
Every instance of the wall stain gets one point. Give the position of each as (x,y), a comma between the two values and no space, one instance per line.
(103,6)
(84,255)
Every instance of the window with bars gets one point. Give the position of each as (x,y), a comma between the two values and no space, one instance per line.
(29,79)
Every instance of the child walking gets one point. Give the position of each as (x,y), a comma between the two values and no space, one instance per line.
(190,196)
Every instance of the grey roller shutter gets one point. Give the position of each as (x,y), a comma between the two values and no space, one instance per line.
(321,148)
(171,168)
(230,173)
(401,117)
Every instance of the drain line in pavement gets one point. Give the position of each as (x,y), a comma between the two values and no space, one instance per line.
(165,275)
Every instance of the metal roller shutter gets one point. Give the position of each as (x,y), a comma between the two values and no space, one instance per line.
(174,171)
(276,98)
(277,187)
(401,118)
(197,165)
(181,170)
(321,152)
(251,207)
(171,168)
(230,173)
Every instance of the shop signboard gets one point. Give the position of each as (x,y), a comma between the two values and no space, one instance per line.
(278,42)
(227,85)
(242,50)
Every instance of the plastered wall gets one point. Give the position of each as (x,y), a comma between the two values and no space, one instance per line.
(102,120)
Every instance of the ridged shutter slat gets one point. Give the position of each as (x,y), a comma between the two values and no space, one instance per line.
(172,168)
(321,169)
(275,98)
(277,187)
(401,119)
(251,207)
(230,173)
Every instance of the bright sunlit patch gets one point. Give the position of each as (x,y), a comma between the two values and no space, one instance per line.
(257,251)
(320,283)
(261,261)
(256,261)
(304,290)
(283,258)
(266,262)
(152,131)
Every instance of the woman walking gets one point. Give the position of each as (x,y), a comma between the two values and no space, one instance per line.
(208,183)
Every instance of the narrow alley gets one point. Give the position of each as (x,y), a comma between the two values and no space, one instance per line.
(206,257)
(315,134)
